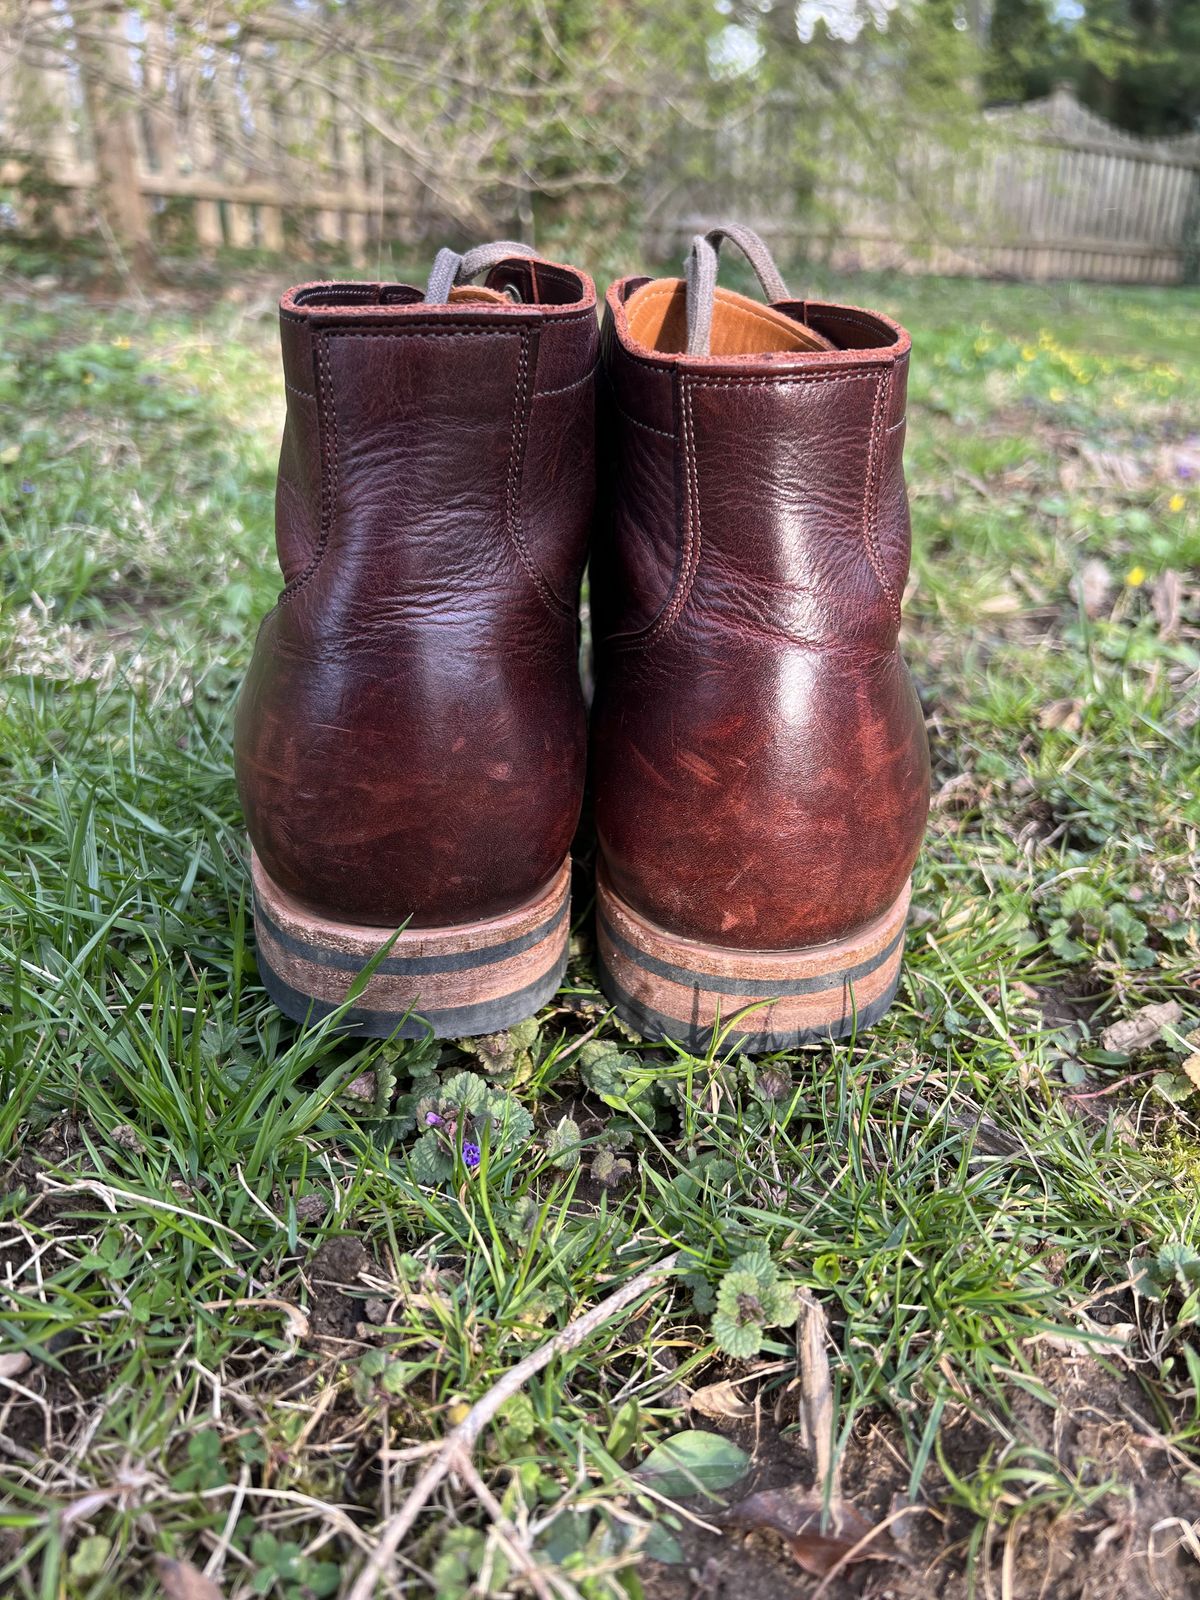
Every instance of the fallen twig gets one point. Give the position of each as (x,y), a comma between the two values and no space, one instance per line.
(1115,1088)
(816,1391)
(460,1442)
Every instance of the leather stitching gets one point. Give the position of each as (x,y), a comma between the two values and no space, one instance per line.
(418,333)
(544,394)
(683,582)
(330,445)
(320,293)
(838,376)
(694,530)
(520,316)
(684,575)
(870,323)
(516,462)
(303,393)
(790,378)
(661,432)
(329,453)
(871,497)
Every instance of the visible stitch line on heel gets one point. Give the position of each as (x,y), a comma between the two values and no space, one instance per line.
(689,558)
(871,497)
(516,467)
(329,452)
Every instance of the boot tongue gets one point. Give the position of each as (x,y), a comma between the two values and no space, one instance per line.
(657,314)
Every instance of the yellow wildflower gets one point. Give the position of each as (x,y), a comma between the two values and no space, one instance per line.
(1176,502)
(1135,577)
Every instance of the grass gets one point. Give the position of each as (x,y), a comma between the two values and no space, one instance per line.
(237,1284)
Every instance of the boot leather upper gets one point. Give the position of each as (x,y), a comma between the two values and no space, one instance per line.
(761,765)
(410,739)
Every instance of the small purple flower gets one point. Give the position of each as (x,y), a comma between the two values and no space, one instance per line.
(27,486)
(1184,470)
(432,1120)
(470,1154)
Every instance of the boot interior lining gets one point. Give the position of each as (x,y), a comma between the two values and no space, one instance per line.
(657,314)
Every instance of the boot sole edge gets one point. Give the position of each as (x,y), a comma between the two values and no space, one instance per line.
(453,982)
(670,987)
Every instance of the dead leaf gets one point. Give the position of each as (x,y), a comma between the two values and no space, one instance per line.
(1092,586)
(297,1325)
(1065,714)
(1165,598)
(1141,1030)
(312,1207)
(1192,1068)
(1004,604)
(1110,469)
(721,1403)
(13,1363)
(959,791)
(127,1136)
(180,1580)
(364,1087)
(795,1514)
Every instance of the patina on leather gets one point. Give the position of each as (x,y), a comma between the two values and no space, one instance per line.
(410,739)
(761,767)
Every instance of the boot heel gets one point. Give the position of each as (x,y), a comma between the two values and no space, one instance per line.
(476,977)
(675,988)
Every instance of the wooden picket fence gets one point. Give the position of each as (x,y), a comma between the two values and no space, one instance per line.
(235,148)
(1047,190)
(219,148)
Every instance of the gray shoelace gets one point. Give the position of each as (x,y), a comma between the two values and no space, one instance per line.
(703,263)
(449,268)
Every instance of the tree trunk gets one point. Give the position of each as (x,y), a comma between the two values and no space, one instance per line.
(104,60)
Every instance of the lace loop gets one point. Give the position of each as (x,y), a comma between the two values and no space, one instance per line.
(703,263)
(450,268)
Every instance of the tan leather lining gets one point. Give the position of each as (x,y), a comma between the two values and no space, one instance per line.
(475,293)
(657,314)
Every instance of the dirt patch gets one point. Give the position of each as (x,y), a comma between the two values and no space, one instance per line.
(1124,1531)
(334,1311)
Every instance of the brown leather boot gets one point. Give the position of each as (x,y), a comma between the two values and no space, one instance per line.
(410,738)
(761,767)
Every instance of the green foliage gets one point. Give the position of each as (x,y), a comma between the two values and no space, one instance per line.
(459,1561)
(693,1462)
(283,1569)
(1021,51)
(1171,1271)
(181,1161)
(1137,62)
(507,1057)
(750,1299)
(562,1146)
(460,1117)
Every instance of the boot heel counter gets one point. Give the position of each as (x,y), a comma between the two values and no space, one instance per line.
(409,737)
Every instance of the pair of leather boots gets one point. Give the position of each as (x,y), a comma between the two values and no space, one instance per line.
(412,737)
